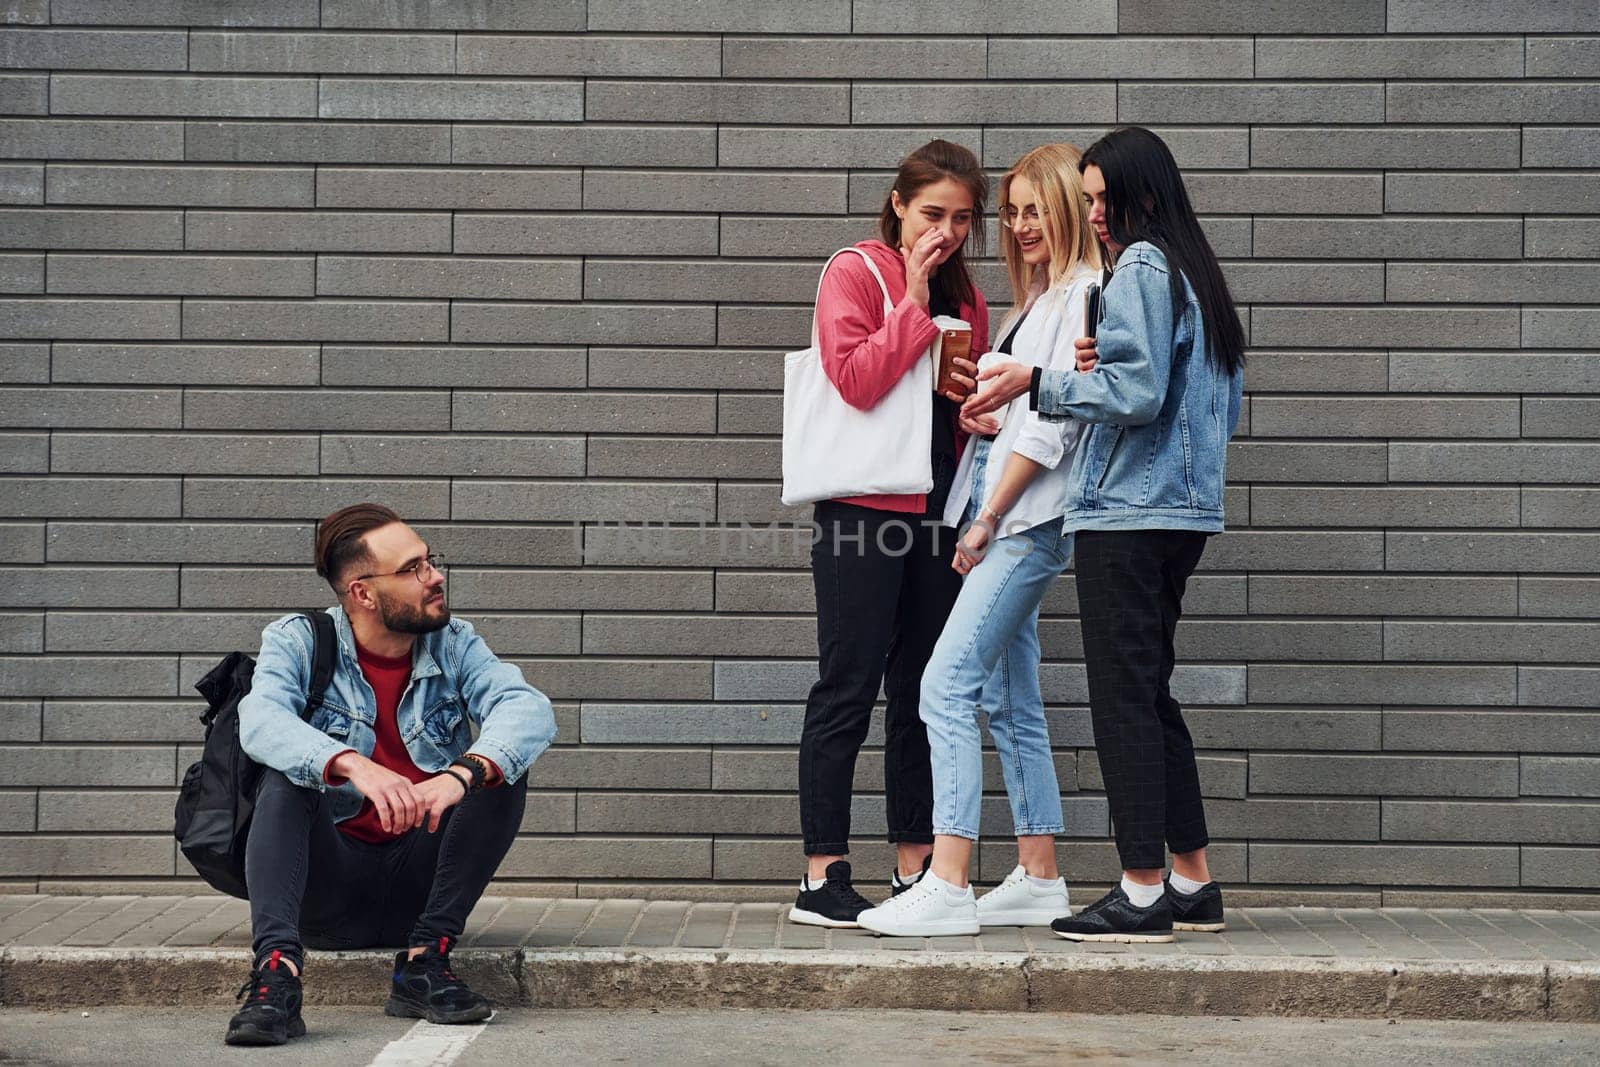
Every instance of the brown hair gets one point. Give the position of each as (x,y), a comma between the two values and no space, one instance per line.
(934,162)
(340,539)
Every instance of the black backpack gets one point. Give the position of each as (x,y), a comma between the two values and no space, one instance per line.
(212,817)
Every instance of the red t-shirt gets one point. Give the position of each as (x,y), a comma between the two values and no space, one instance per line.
(388,678)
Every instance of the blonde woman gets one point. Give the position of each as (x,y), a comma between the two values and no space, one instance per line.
(1010,496)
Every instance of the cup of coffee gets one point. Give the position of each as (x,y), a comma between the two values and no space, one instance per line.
(954,342)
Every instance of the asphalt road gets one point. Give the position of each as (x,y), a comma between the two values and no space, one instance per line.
(131,1037)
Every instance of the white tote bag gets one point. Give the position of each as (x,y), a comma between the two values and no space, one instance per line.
(831,449)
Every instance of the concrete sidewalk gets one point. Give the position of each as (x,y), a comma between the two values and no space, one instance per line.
(1500,964)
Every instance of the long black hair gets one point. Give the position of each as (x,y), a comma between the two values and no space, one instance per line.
(1146,201)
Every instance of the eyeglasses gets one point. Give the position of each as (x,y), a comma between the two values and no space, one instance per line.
(1028,216)
(433,563)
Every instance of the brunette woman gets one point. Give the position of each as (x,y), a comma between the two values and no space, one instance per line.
(1012,489)
(1160,387)
(881,563)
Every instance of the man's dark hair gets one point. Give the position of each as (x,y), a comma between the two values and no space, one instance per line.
(340,540)
(1146,201)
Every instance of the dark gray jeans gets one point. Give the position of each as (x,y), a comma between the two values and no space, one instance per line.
(312,885)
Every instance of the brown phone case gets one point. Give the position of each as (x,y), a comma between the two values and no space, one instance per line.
(955,344)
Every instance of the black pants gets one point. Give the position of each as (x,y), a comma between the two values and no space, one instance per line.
(312,885)
(1130,594)
(884,589)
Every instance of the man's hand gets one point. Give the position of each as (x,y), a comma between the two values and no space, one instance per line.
(438,795)
(396,799)
(1006,382)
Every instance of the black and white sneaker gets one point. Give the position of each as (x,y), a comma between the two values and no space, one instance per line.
(1116,918)
(1200,910)
(835,903)
(898,885)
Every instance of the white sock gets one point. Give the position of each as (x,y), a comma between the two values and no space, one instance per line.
(1142,896)
(956,892)
(808,885)
(1186,886)
(1044,883)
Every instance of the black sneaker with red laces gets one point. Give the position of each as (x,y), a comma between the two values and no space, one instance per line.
(426,988)
(271,1014)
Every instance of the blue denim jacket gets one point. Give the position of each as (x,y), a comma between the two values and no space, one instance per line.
(457,688)
(1160,413)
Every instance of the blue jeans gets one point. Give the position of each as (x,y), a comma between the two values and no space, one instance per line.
(988,656)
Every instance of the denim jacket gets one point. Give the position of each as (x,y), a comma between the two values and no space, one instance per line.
(1154,456)
(458,688)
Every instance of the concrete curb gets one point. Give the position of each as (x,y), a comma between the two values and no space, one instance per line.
(678,978)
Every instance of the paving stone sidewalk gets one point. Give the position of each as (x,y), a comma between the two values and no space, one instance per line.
(1430,963)
(530,923)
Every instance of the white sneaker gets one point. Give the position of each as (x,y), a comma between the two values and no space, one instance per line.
(1017,901)
(927,909)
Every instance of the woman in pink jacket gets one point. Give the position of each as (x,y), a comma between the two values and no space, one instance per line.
(881,564)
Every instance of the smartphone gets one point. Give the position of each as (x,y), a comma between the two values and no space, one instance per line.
(957,345)
(1091,312)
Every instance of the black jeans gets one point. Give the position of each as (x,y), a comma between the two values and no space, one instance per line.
(312,885)
(884,589)
(1130,594)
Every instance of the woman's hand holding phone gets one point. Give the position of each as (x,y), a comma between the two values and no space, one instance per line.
(964,375)
(1087,355)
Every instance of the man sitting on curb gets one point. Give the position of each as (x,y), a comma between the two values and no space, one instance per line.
(381,821)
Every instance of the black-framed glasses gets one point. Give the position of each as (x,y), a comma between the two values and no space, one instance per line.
(432,563)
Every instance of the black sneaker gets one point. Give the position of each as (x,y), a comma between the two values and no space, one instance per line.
(1115,918)
(426,988)
(836,904)
(271,1014)
(898,885)
(1200,910)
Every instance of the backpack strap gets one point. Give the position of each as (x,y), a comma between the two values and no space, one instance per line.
(324,641)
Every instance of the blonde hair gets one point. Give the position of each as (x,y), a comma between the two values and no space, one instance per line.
(1052,170)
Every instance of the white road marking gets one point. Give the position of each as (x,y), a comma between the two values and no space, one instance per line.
(427,1045)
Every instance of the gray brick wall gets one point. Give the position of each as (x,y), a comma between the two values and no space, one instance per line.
(526,269)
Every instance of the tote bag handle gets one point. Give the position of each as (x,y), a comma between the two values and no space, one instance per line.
(883,286)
